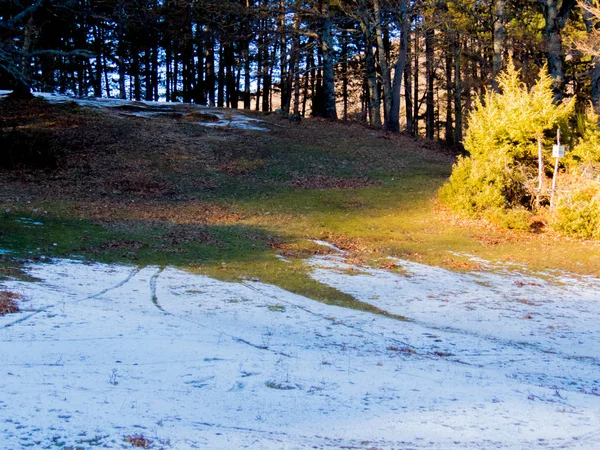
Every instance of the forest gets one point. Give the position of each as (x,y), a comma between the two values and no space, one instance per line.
(401,65)
(269,224)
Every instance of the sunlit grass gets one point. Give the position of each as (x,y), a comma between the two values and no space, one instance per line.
(239,205)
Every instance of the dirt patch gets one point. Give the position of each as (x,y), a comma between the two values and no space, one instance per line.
(8,305)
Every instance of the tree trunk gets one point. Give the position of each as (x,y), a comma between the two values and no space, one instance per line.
(595,75)
(498,40)
(266,77)
(429,62)
(555,13)
(221,78)
(408,83)
(286,88)
(98,62)
(247,75)
(135,73)
(458,88)
(344,57)
(393,120)
(295,60)
(373,103)
(554,45)
(209,79)
(200,91)
(121,52)
(329,105)
(259,65)
(23,85)
(416,101)
(231,98)
(384,68)
(449,133)
(148,44)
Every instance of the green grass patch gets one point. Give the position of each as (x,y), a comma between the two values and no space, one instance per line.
(226,204)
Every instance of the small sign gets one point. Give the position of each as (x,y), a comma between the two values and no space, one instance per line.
(558,151)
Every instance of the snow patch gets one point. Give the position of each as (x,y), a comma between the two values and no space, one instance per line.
(102,352)
(148,109)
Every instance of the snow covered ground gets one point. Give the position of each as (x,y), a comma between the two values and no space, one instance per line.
(487,360)
(230,118)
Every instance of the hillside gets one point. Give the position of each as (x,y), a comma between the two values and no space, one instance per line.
(156,183)
(175,277)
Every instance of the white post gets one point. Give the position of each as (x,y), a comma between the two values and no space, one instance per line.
(540,171)
(555,174)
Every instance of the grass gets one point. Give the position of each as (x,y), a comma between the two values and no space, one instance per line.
(225,203)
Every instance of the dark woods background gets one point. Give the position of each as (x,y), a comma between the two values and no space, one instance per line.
(413,66)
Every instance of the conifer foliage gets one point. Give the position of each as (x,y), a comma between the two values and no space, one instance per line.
(499,180)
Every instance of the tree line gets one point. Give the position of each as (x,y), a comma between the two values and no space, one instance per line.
(403,65)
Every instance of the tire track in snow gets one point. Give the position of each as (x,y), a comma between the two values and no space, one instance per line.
(128,278)
(321,316)
(133,273)
(154,298)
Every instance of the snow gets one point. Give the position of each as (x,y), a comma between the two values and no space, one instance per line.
(234,119)
(102,352)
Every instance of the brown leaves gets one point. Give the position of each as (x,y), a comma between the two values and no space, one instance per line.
(327,182)
(457,264)
(526,283)
(350,244)
(7,302)
(188,213)
(137,440)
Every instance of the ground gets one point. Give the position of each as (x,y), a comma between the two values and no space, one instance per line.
(102,353)
(179,277)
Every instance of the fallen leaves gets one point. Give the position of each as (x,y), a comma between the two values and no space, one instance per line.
(328,182)
(7,303)
(137,440)
(457,264)
(526,283)
(188,213)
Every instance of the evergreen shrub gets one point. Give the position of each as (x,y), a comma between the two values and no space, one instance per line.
(499,178)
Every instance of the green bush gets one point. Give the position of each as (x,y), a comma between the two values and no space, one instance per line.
(577,211)
(586,150)
(499,178)
(473,190)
